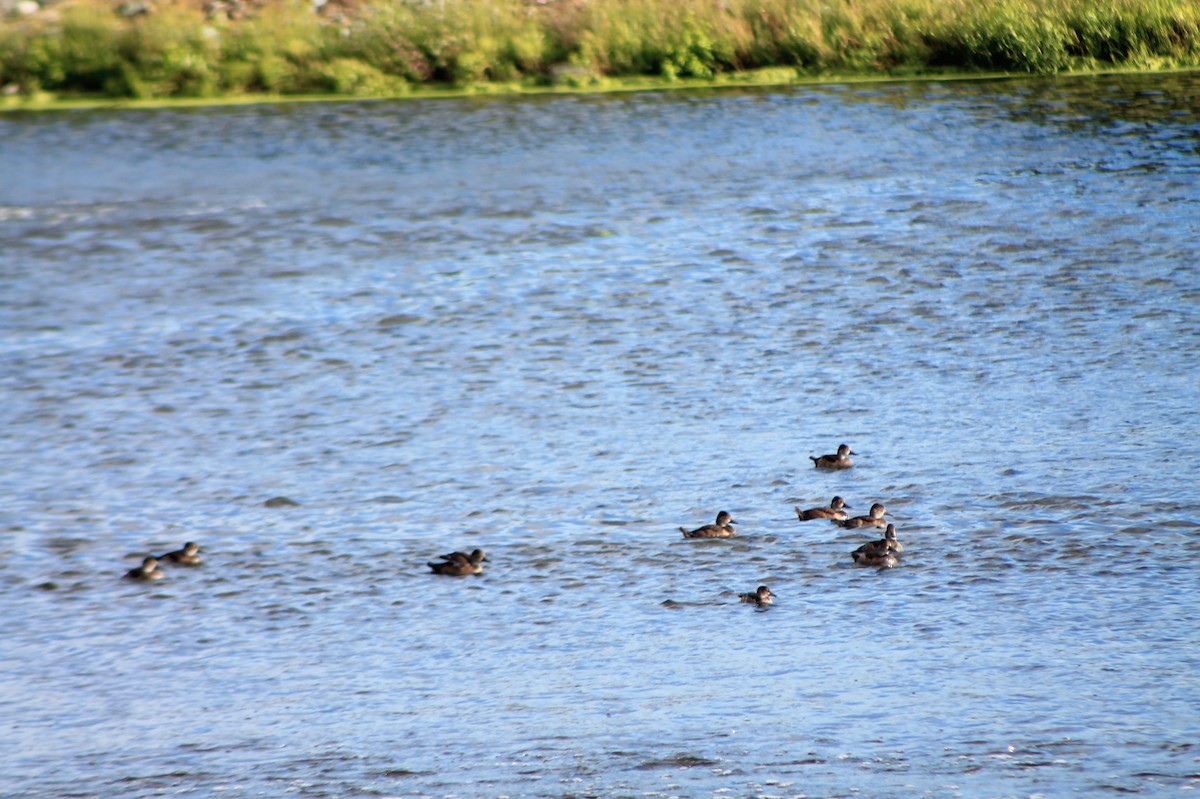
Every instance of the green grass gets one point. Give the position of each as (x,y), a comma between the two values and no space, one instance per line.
(384,48)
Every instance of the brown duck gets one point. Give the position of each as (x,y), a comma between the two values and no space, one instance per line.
(834,512)
(875,552)
(873,519)
(722,529)
(456,564)
(188,556)
(147,571)
(762,596)
(841,460)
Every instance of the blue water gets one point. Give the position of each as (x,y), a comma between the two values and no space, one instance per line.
(559,329)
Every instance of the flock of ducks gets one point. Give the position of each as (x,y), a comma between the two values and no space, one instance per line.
(880,554)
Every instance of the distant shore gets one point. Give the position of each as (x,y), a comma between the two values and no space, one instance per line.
(154,53)
(759,79)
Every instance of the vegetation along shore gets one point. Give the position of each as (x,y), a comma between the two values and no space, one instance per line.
(54,51)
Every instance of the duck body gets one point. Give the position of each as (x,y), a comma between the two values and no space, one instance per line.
(458,564)
(147,571)
(760,597)
(723,528)
(879,552)
(880,560)
(873,519)
(834,512)
(188,556)
(841,460)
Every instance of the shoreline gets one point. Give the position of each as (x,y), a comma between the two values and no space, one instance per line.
(772,77)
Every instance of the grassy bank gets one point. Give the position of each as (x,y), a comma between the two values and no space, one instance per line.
(148,49)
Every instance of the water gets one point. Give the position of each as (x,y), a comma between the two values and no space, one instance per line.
(560,329)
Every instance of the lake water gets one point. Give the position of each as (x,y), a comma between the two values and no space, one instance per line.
(559,329)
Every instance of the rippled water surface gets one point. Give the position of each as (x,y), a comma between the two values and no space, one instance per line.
(559,329)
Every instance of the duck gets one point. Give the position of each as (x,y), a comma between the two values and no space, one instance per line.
(188,556)
(834,512)
(880,560)
(147,571)
(873,519)
(456,564)
(760,597)
(722,529)
(875,549)
(841,460)
(889,535)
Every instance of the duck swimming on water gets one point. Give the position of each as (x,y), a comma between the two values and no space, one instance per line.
(760,597)
(874,550)
(873,519)
(147,571)
(841,460)
(188,556)
(457,564)
(834,512)
(722,529)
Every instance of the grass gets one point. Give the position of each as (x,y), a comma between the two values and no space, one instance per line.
(98,49)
